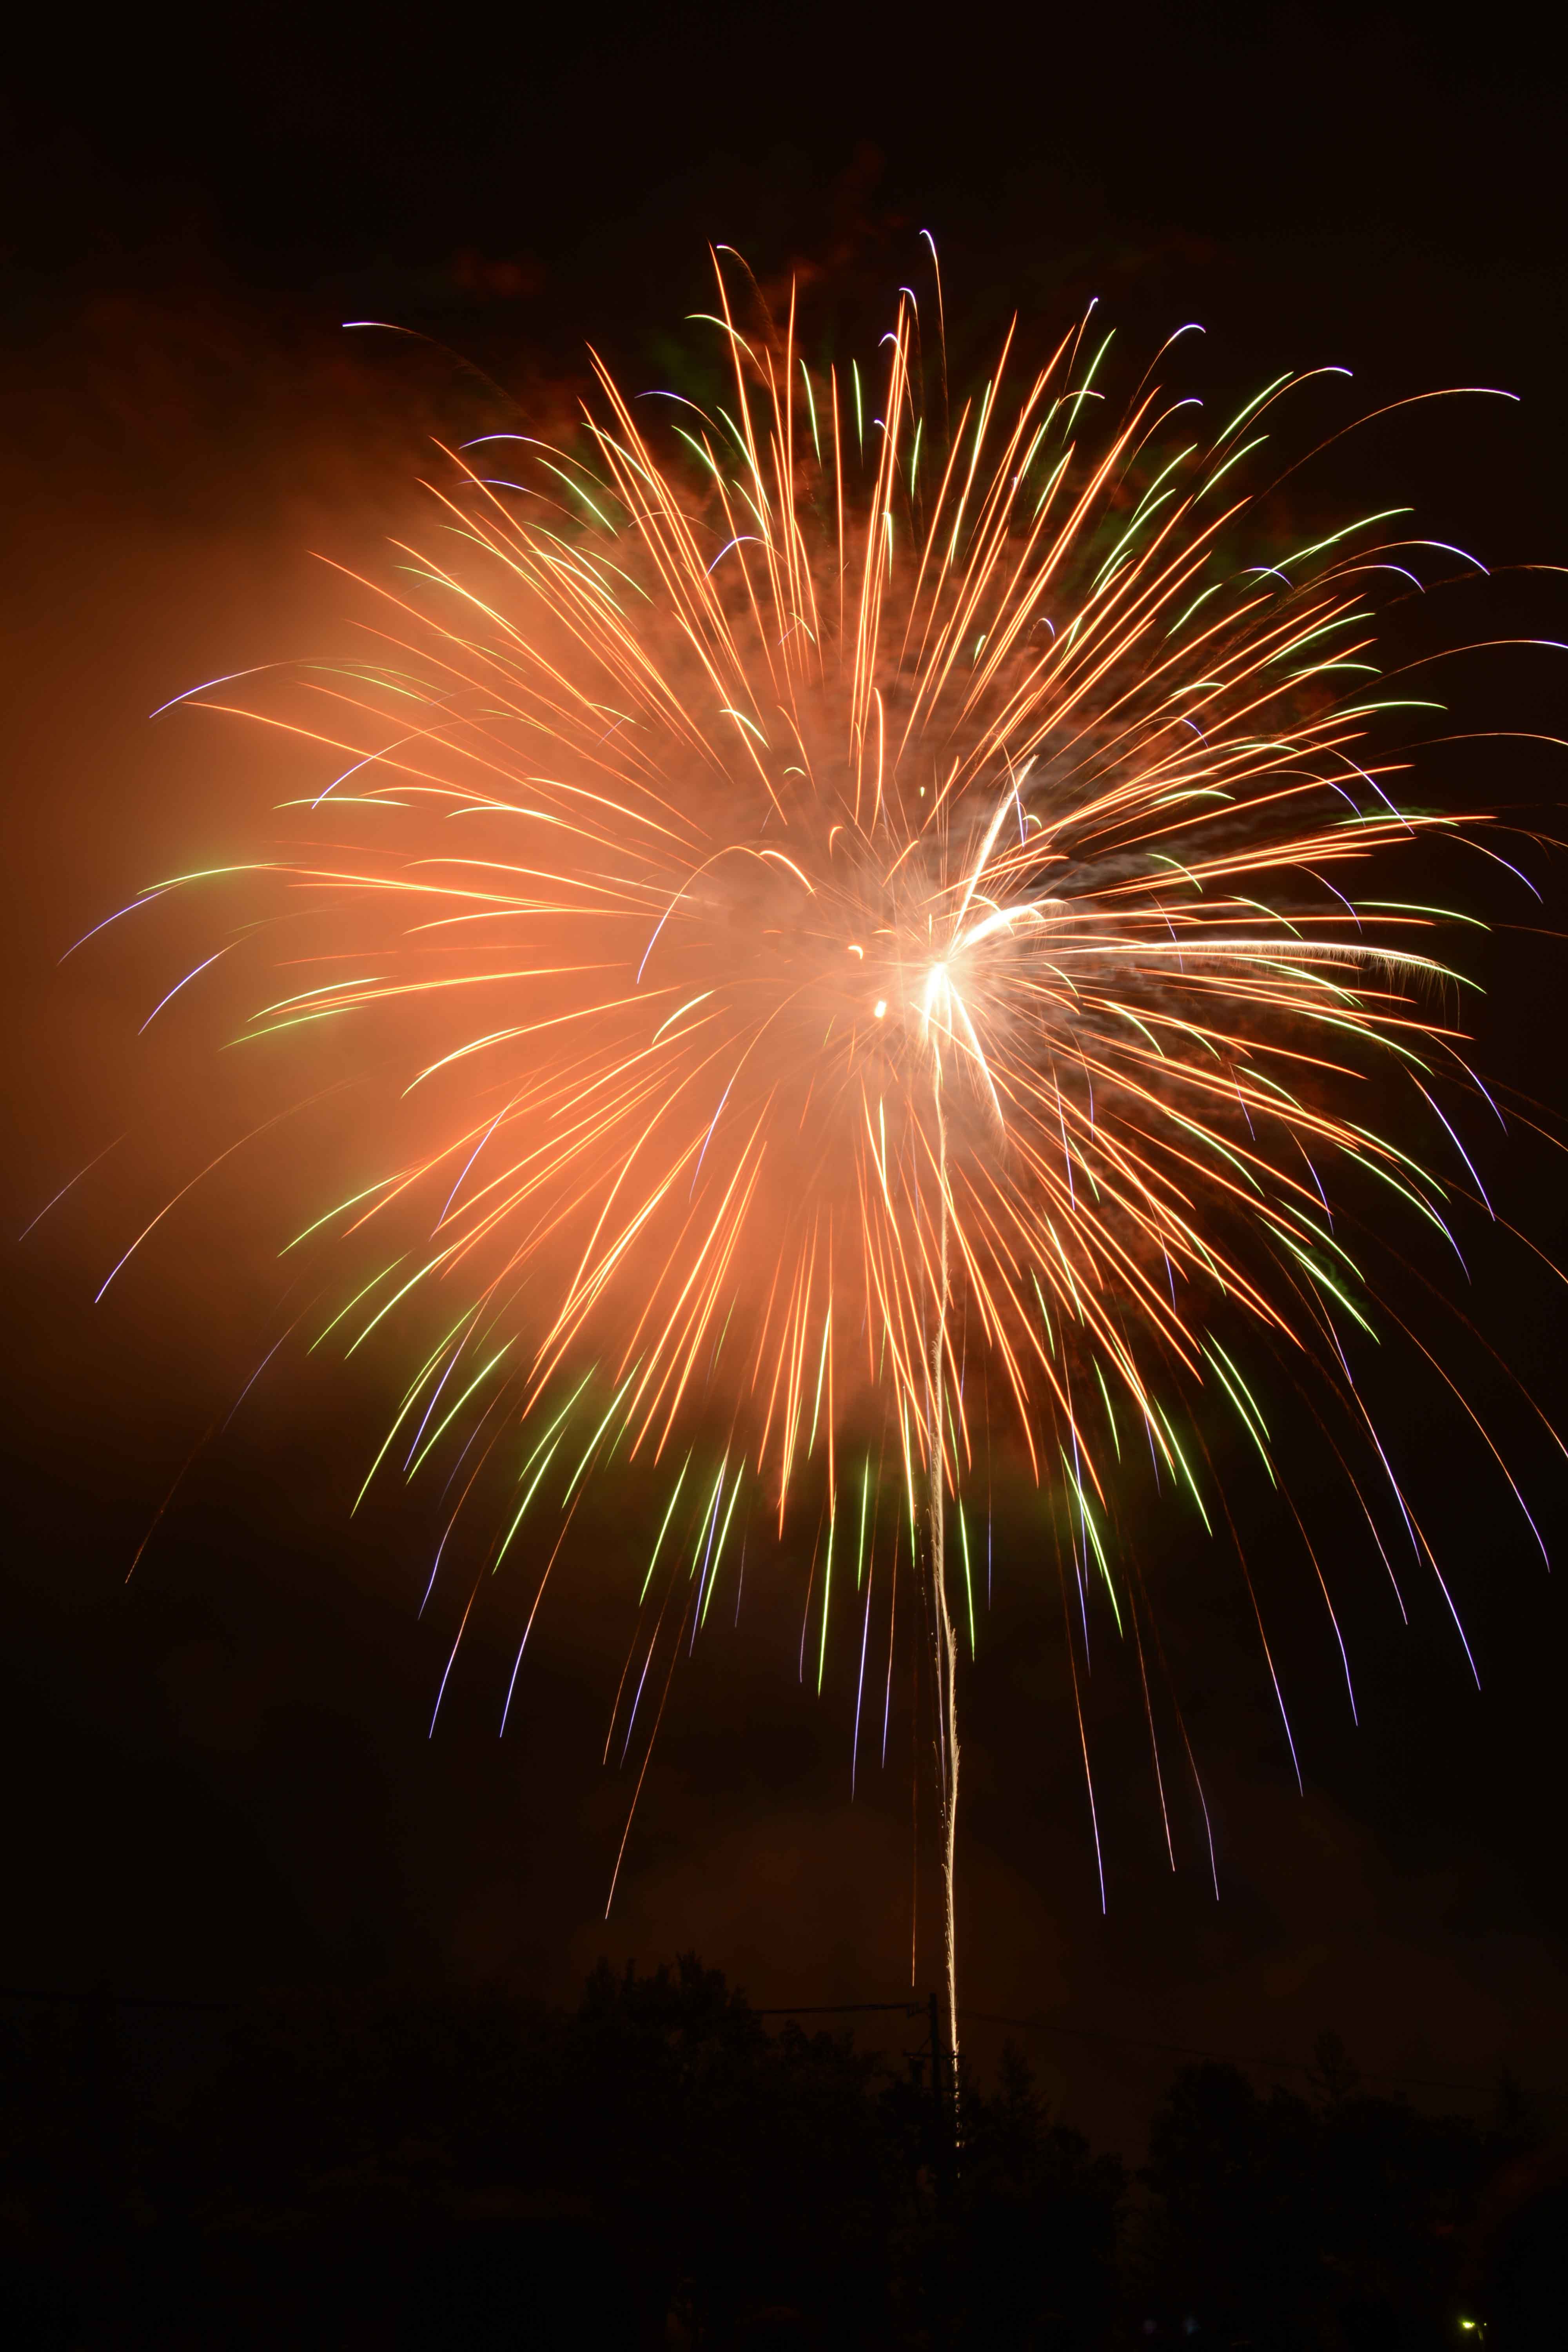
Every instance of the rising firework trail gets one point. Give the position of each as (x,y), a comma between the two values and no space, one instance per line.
(855,900)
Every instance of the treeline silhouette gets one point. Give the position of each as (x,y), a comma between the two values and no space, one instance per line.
(659,2167)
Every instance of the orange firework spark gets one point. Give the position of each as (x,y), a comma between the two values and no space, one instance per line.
(849,906)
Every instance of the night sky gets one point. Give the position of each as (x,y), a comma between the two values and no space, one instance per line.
(219,1777)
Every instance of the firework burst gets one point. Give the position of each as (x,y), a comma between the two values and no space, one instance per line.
(860,920)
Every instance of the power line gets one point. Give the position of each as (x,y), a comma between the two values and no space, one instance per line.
(843,2008)
(1223,2057)
(1140,2041)
(905,2009)
(115,1999)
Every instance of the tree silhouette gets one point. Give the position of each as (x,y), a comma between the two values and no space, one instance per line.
(427,2167)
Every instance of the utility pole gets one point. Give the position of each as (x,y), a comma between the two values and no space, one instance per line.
(941,2100)
(940,2276)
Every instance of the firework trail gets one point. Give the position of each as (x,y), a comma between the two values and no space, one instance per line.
(858,919)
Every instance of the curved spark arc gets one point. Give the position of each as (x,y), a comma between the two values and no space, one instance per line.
(891,916)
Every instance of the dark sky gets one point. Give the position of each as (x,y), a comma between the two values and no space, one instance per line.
(220,1777)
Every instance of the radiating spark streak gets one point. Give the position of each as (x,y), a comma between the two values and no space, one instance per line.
(705,1546)
(363,1292)
(827,1591)
(445,1423)
(1489,1442)
(1458,1627)
(1153,1742)
(723,1538)
(647,1759)
(180,1476)
(69,1182)
(462,1625)
(968,1579)
(1458,1146)
(1263,1638)
(467,1165)
(380,1185)
(142,898)
(892,1628)
(1328,1603)
(593,1442)
(226,678)
(1088,1768)
(636,1695)
(534,1485)
(260,1368)
(439,1391)
(664,1529)
(435,1563)
(410,1400)
(620,1692)
(473,1439)
(397,1297)
(532,1613)
(227,1154)
(860,1676)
